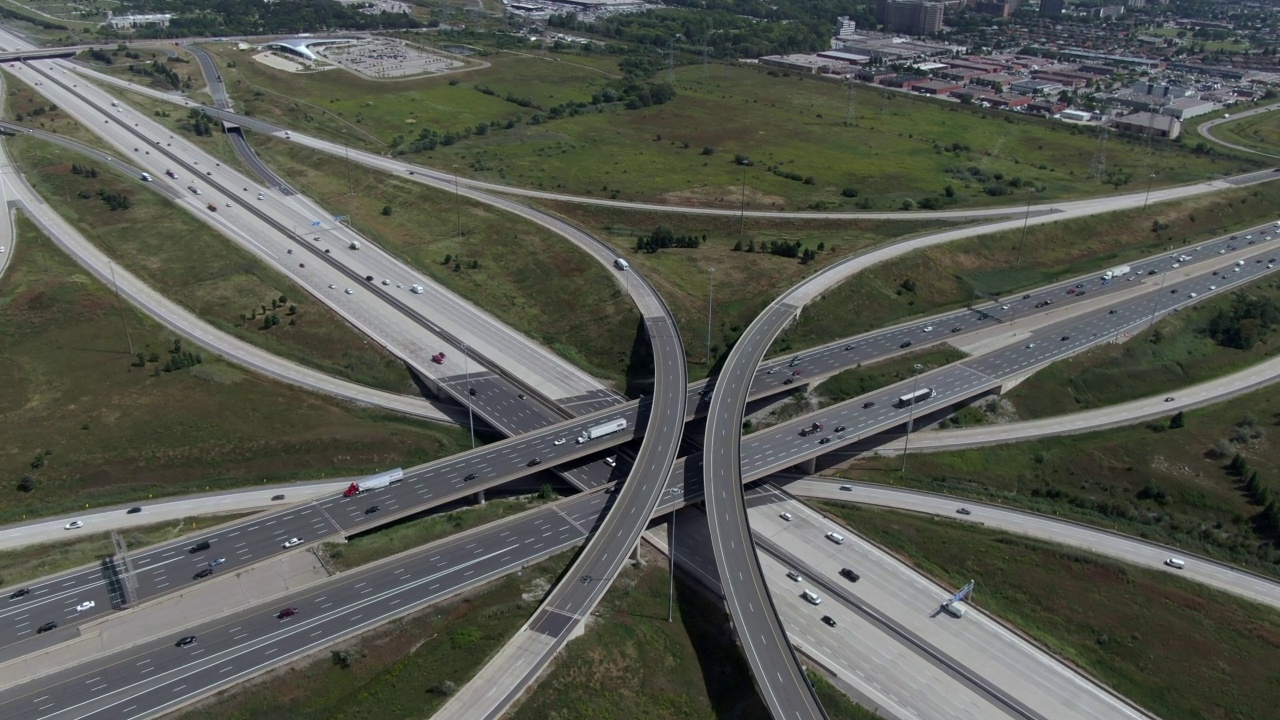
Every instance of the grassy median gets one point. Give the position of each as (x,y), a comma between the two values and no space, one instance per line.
(1177,648)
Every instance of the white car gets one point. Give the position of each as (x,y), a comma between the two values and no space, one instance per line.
(560,441)
(1192,295)
(332,286)
(386,281)
(794,576)
(349,291)
(611,461)
(836,538)
(291,542)
(1,248)
(1213,287)
(785,516)
(217,561)
(74,524)
(86,605)
(928,328)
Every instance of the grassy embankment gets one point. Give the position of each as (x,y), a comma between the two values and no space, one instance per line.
(1180,350)
(208,274)
(947,276)
(92,428)
(1259,132)
(410,534)
(744,282)
(1177,648)
(1173,486)
(656,153)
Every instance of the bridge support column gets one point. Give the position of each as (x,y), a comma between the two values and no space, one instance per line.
(808,467)
(479,497)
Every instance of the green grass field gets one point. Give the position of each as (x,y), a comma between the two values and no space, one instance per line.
(1168,485)
(22,101)
(186,260)
(1260,132)
(403,536)
(744,282)
(94,429)
(1178,649)
(404,670)
(947,276)
(35,561)
(861,380)
(1174,354)
(525,275)
(795,124)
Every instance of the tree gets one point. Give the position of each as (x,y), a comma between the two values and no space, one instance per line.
(1177,421)
(27,484)
(448,258)
(387,210)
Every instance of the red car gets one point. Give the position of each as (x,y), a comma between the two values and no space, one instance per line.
(438,358)
(287,613)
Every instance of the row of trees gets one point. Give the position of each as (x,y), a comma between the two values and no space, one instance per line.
(664,237)
(1260,493)
(160,70)
(782,248)
(200,122)
(254,17)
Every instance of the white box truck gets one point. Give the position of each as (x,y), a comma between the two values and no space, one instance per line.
(355,244)
(598,431)
(622,264)
(1116,272)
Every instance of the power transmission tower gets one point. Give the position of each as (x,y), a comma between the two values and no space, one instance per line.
(1099,168)
(848,111)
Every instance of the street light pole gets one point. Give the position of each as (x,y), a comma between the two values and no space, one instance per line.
(457,208)
(711,293)
(1025,221)
(742,205)
(1155,303)
(1150,178)
(112,267)
(471,423)
(671,581)
(911,412)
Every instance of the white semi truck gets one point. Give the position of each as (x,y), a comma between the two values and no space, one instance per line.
(1116,272)
(598,431)
(374,482)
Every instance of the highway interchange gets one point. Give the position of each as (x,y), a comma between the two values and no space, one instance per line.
(780,447)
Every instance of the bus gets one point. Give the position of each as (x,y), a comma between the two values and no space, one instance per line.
(915,397)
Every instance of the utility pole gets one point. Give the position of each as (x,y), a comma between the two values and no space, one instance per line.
(711,293)
(671,580)
(911,411)
(112,267)
(742,205)
(1155,303)
(1150,179)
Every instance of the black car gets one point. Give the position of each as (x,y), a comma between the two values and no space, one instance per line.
(1079,285)
(535,461)
(1065,338)
(1111,312)
(824,441)
(134,511)
(371,510)
(277,497)
(839,428)
(473,476)
(1027,296)
(905,344)
(956,329)
(869,403)
(199,547)
(1151,272)
(829,620)
(20,592)
(788,381)
(369,278)
(188,640)
(202,574)
(471,391)
(849,575)
(963,511)
(47,627)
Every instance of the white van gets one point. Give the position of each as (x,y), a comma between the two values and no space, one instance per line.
(954,609)
(1175,563)
(811,597)
(836,538)
(622,264)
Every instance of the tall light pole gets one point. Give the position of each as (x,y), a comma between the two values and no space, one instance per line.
(671,581)
(1155,303)
(742,205)
(911,412)
(457,208)
(1150,178)
(1025,221)
(471,423)
(711,293)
